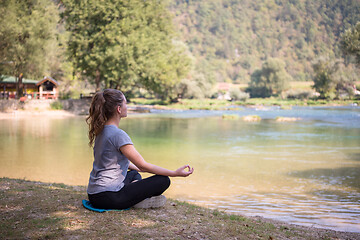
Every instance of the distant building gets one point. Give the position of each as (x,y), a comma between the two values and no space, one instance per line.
(47,88)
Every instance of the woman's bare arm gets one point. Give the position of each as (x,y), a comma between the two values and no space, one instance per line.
(133,167)
(134,156)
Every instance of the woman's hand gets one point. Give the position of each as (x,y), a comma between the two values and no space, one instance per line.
(130,152)
(182,172)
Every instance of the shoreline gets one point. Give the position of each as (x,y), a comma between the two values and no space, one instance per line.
(48,210)
(79,107)
(133,109)
(32,113)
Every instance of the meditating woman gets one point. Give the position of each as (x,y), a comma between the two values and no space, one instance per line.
(115,182)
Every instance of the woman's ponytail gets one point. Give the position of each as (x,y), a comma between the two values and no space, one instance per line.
(102,107)
(96,118)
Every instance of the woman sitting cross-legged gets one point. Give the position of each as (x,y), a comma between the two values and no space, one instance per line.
(115,182)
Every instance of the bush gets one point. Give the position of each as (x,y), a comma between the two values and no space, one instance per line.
(299,94)
(236,94)
(332,79)
(56,105)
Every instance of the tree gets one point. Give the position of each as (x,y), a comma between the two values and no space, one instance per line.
(331,78)
(350,42)
(270,80)
(323,81)
(27,30)
(125,44)
(195,85)
(224,32)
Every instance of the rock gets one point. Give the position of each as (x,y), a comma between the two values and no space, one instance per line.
(230,116)
(251,118)
(287,119)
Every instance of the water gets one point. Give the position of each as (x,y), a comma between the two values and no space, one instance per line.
(305,172)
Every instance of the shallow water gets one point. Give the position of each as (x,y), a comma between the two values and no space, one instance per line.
(305,172)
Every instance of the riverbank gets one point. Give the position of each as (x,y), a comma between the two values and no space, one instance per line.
(34,210)
(216,104)
(34,114)
(76,107)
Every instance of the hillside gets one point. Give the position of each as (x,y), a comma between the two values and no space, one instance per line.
(229,39)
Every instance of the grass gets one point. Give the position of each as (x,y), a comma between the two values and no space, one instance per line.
(302,85)
(33,210)
(230,116)
(215,104)
(192,104)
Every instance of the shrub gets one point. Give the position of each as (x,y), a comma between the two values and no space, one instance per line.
(236,94)
(299,94)
(56,105)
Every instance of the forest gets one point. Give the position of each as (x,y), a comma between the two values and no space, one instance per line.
(183,48)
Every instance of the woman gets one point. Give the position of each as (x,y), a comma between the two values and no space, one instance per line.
(114,180)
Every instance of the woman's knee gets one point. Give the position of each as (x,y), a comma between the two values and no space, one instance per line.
(137,176)
(165,181)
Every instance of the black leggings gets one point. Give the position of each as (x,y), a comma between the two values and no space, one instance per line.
(132,192)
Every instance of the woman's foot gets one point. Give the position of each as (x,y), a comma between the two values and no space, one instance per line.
(153,202)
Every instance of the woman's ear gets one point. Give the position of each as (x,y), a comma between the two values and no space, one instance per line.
(118,109)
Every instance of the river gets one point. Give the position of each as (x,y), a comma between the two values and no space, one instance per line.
(305,172)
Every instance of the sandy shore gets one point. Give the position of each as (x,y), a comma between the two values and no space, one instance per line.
(28,113)
(60,113)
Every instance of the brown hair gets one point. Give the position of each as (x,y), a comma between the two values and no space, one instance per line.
(103,107)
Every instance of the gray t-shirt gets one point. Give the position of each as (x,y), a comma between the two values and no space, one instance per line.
(110,165)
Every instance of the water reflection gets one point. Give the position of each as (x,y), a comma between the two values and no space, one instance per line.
(304,172)
(343,176)
(49,150)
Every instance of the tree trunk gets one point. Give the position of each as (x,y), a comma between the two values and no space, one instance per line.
(97,80)
(19,86)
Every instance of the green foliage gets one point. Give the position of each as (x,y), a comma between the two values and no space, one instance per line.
(189,89)
(323,81)
(56,105)
(132,45)
(233,38)
(270,80)
(125,44)
(27,33)
(195,86)
(350,42)
(332,79)
(298,94)
(237,95)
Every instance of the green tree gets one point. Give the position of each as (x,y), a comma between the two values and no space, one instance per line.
(350,42)
(331,78)
(223,32)
(323,81)
(125,44)
(26,33)
(270,80)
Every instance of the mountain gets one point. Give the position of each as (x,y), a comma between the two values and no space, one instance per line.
(229,39)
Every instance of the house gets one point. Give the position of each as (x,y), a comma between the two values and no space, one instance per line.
(47,88)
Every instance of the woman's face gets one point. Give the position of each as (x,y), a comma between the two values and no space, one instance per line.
(123,108)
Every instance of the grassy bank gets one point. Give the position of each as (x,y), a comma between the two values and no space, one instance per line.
(33,210)
(215,104)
